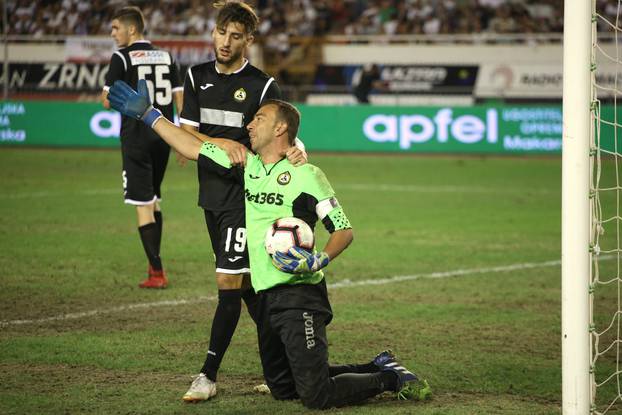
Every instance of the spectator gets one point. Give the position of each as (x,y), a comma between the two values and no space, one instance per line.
(306,17)
(370,79)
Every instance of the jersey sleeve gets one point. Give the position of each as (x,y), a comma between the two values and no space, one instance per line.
(116,70)
(319,199)
(190,113)
(216,161)
(175,80)
(272,91)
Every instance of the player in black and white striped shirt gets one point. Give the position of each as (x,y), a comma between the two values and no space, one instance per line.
(145,154)
(221,98)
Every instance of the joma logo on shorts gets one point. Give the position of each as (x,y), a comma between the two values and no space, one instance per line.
(309,332)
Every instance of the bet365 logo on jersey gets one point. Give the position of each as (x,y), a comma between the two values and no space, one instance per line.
(263,198)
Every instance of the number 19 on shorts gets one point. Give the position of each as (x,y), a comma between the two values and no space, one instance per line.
(236,239)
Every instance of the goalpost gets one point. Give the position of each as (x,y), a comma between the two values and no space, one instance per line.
(576,207)
(591,210)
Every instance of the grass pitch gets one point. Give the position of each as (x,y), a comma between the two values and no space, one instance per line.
(476,310)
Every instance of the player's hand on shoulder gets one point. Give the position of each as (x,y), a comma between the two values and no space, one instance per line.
(296,156)
(298,260)
(235,151)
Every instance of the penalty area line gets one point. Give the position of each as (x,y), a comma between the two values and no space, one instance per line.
(336,285)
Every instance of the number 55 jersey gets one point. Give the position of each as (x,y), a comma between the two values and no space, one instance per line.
(141,60)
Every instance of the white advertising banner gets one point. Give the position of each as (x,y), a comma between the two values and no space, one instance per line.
(536,81)
(81,49)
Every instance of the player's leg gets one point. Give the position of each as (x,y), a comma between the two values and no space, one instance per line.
(374,366)
(228,238)
(224,322)
(160,156)
(304,334)
(249,296)
(228,235)
(138,191)
(277,373)
(300,315)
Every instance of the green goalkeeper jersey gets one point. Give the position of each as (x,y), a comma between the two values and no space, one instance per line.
(275,191)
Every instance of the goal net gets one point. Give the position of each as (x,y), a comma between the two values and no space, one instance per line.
(605,287)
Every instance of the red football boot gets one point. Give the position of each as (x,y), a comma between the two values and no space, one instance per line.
(156,279)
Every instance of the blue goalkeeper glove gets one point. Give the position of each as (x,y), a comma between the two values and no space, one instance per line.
(298,260)
(132,104)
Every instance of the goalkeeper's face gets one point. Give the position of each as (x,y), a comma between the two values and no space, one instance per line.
(230,43)
(261,130)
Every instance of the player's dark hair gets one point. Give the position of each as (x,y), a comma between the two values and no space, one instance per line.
(288,114)
(131,15)
(236,12)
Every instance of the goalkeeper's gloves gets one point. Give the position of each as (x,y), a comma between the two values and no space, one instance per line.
(298,260)
(133,104)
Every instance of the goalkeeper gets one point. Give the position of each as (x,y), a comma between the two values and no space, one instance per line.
(293,307)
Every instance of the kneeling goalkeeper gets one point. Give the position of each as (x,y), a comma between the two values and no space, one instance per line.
(293,307)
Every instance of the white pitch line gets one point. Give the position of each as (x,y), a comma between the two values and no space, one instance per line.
(335,285)
(74,316)
(445,274)
(436,189)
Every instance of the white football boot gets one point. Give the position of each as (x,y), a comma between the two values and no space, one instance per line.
(201,389)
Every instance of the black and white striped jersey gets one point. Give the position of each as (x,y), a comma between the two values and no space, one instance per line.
(141,60)
(221,106)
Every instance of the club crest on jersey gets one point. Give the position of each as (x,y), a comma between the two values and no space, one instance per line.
(240,95)
(284,178)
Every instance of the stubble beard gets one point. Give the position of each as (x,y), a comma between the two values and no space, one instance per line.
(228,62)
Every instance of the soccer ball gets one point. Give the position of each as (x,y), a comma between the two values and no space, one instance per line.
(287,232)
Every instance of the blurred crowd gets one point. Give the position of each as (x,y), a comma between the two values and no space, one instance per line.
(299,17)
(302,17)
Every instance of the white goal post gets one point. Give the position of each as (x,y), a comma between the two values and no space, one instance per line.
(576,207)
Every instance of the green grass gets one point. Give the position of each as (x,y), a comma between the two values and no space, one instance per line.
(488,342)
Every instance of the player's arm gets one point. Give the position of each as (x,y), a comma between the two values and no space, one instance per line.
(299,260)
(338,242)
(179,139)
(104,99)
(178,97)
(336,222)
(116,71)
(321,202)
(177,87)
(235,151)
(190,117)
(137,105)
(207,155)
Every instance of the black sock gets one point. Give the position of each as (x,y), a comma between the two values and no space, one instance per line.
(149,237)
(389,380)
(158,219)
(223,326)
(250,299)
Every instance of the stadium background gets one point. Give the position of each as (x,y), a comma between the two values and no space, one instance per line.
(468,80)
